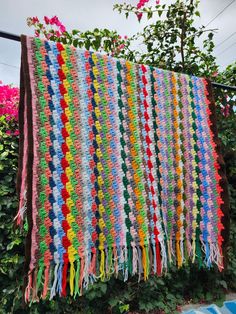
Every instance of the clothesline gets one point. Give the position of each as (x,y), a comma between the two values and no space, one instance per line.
(15,37)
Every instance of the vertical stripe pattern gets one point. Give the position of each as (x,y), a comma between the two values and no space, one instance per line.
(125,175)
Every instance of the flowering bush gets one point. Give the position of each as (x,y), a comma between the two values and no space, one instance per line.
(11,241)
(140,9)
(51,26)
(103,40)
(140,5)
(9,99)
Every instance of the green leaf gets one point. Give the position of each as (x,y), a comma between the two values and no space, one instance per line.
(75,32)
(13,243)
(75,42)
(150,14)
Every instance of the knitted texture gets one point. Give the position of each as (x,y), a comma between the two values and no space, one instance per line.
(120,169)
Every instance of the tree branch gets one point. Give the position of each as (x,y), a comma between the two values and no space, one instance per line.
(182,40)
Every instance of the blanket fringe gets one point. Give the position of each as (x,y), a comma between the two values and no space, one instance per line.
(20,216)
(71,276)
(213,254)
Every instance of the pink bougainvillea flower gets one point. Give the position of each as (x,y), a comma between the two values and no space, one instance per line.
(54,20)
(142,3)
(9,99)
(49,26)
(8,132)
(62,28)
(121,46)
(16,132)
(58,34)
(139,15)
(35,20)
(139,6)
(47,20)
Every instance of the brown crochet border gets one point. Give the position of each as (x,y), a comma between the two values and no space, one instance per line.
(222,172)
(25,95)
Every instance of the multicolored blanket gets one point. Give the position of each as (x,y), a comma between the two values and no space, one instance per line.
(119,169)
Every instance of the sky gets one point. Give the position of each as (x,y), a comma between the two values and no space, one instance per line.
(89,14)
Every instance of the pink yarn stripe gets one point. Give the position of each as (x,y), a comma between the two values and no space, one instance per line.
(23,188)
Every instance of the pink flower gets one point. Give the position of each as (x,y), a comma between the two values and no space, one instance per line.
(36,32)
(35,20)
(122,46)
(157,1)
(58,34)
(9,99)
(8,132)
(47,20)
(16,132)
(54,20)
(125,37)
(62,28)
(139,16)
(139,6)
(142,3)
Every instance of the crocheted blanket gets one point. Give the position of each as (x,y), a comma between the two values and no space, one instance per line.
(119,169)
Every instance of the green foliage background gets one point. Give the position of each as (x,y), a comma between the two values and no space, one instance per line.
(170,44)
